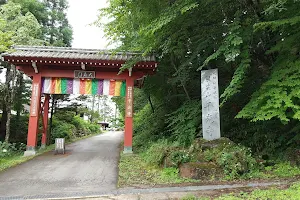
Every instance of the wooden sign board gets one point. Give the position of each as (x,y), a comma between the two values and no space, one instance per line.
(84,74)
(34,100)
(129,106)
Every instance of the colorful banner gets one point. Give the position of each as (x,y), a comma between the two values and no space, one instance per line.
(83,86)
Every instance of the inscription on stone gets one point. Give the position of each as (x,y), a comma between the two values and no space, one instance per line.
(34,100)
(129,105)
(84,74)
(60,145)
(210,104)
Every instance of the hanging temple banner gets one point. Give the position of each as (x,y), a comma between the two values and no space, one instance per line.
(83,86)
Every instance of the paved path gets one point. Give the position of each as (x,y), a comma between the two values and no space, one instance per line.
(88,165)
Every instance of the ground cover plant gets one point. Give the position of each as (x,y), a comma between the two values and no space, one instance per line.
(292,193)
(66,125)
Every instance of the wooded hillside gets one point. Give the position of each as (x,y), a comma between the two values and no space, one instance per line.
(253,43)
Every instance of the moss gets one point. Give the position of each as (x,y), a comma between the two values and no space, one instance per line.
(219,144)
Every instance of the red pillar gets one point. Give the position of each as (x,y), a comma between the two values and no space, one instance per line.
(129,115)
(45,118)
(33,124)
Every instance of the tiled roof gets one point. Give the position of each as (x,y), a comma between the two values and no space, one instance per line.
(72,53)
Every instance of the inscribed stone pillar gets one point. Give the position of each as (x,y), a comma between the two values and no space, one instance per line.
(210,104)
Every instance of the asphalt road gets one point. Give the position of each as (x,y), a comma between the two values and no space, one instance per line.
(88,165)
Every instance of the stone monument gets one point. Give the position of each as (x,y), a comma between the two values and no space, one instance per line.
(210,104)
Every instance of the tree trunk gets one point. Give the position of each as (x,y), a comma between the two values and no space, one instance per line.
(18,97)
(152,108)
(3,122)
(93,106)
(9,96)
(51,119)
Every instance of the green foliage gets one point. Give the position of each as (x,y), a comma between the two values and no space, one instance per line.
(292,192)
(180,157)
(170,174)
(133,171)
(191,197)
(70,126)
(278,97)
(184,123)
(57,30)
(230,48)
(237,161)
(63,130)
(17,28)
(284,169)
(9,149)
(156,153)
(147,127)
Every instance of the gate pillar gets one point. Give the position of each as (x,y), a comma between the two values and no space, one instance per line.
(45,120)
(129,116)
(33,124)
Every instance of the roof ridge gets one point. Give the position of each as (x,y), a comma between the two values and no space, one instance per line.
(71,50)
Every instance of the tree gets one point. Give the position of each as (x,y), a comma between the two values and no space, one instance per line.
(15,28)
(58,32)
(254,44)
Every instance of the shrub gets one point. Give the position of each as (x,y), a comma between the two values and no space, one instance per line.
(66,116)
(148,127)
(9,149)
(156,153)
(284,170)
(169,174)
(81,126)
(185,122)
(236,161)
(94,128)
(179,157)
(63,130)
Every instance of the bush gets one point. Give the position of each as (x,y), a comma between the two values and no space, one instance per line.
(184,124)
(236,161)
(63,130)
(94,128)
(156,153)
(68,125)
(81,126)
(283,170)
(179,157)
(66,116)
(9,149)
(148,127)
(169,174)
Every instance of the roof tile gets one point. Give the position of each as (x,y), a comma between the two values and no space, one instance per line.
(72,53)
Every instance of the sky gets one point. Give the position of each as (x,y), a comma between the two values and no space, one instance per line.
(80,16)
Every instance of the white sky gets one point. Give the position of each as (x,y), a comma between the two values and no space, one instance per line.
(80,15)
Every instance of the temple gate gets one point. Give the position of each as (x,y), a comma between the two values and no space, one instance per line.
(60,70)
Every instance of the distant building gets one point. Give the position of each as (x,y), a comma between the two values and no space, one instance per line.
(104,125)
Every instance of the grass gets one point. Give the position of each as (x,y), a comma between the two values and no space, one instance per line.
(12,161)
(134,171)
(15,160)
(292,193)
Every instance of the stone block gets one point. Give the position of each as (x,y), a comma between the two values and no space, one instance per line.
(200,170)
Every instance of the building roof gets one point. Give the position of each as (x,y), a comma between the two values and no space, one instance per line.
(73,53)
